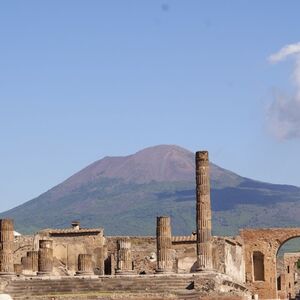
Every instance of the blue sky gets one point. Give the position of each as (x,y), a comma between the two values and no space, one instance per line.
(80,80)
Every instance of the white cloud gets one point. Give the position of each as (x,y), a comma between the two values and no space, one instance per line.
(284,112)
(284,52)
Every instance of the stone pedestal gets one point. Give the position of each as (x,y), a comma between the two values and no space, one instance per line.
(203,209)
(18,269)
(85,266)
(164,245)
(6,247)
(45,258)
(124,259)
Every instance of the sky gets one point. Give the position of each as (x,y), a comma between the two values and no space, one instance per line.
(80,80)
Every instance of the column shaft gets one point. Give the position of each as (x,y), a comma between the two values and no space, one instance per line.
(85,265)
(26,263)
(203,209)
(45,257)
(6,247)
(34,257)
(100,261)
(124,259)
(164,244)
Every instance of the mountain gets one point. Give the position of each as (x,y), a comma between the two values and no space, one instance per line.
(125,194)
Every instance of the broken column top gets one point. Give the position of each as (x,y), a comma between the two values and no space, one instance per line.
(163,217)
(46,244)
(202,155)
(7,224)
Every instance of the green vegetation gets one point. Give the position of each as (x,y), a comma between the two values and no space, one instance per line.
(124,208)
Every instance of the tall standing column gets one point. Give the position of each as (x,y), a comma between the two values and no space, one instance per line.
(203,208)
(45,257)
(6,247)
(124,259)
(164,245)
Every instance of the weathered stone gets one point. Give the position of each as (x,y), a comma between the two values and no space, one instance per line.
(18,269)
(6,247)
(99,254)
(260,250)
(68,243)
(124,259)
(45,257)
(288,277)
(203,212)
(34,257)
(113,264)
(26,263)
(85,266)
(164,245)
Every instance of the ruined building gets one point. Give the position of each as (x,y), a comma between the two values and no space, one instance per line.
(83,263)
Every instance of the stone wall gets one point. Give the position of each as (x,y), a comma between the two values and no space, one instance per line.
(227,253)
(69,243)
(288,276)
(23,243)
(234,260)
(260,249)
(143,254)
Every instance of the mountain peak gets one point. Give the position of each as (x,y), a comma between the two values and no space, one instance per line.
(133,189)
(164,148)
(161,163)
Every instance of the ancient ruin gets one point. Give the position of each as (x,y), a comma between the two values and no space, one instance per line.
(6,247)
(45,257)
(124,259)
(203,212)
(83,263)
(164,245)
(85,266)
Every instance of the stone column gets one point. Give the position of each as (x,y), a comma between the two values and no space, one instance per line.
(85,266)
(6,247)
(203,218)
(26,264)
(112,264)
(45,257)
(100,261)
(124,259)
(164,245)
(34,257)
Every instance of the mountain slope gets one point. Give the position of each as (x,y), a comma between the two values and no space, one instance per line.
(125,194)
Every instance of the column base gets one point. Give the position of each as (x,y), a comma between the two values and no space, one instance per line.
(44,273)
(197,270)
(7,274)
(83,273)
(128,272)
(162,271)
(28,273)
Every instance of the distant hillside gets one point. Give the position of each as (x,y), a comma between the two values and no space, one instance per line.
(125,194)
